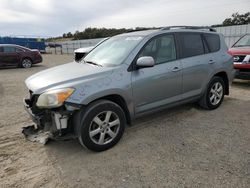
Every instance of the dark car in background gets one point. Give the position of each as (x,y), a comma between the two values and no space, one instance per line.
(241,52)
(15,55)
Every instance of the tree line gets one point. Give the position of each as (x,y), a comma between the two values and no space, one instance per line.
(90,33)
(236,19)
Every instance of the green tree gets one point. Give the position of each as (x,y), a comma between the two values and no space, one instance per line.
(237,19)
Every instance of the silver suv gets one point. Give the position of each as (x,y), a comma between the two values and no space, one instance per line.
(127,76)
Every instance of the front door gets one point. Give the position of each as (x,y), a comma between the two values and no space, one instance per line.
(162,84)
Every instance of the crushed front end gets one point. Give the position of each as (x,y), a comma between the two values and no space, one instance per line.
(50,123)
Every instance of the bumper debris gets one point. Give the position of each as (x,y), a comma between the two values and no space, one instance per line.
(35,135)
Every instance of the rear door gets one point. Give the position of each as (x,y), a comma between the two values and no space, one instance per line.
(216,55)
(196,63)
(10,56)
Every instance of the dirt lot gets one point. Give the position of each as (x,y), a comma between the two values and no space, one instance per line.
(181,147)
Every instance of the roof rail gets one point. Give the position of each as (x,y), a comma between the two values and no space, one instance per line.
(189,27)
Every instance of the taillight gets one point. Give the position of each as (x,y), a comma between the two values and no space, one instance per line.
(38,53)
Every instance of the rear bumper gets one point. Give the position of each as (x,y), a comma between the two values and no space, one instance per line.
(38,60)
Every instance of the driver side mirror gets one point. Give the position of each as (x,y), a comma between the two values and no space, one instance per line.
(145,61)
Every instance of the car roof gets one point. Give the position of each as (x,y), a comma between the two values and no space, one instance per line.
(145,33)
(14,45)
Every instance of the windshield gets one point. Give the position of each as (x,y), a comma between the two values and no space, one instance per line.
(244,41)
(113,51)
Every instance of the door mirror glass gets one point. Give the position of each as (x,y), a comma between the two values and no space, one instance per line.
(145,61)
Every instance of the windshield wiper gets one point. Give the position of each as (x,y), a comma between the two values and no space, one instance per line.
(93,63)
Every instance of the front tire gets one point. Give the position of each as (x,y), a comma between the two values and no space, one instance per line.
(101,125)
(214,94)
(26,63)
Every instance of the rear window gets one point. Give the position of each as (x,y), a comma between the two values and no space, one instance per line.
(191,44)
(213,42)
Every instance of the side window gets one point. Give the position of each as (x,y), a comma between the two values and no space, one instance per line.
(191,44)
(1,49)
(161,48)
(19,50)
(9,49)
(213,42)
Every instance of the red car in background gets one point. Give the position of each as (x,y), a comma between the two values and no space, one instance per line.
(14,55)
(241,53)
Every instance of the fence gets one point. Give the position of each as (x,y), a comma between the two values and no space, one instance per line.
(33,43)
(68,47)
(231,33)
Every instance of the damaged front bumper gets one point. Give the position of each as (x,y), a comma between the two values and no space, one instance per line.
(49,123)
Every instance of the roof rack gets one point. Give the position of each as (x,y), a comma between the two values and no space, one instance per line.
(189,27)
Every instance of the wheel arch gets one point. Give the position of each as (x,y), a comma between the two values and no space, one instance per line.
(224,76)
(26,57)
(118,99)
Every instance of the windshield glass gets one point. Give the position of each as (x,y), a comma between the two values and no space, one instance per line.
(244,41)
(113,51)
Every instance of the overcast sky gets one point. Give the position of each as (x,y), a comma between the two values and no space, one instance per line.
(55,17)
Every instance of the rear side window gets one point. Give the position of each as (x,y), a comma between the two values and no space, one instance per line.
(191,44)
(8,49)
(19,50)
(213,42)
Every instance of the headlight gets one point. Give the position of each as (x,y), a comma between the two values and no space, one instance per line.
(54,98)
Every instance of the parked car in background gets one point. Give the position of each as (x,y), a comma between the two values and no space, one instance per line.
(127,76)
(241,52)
(53,45)
(82,52)
(15,55)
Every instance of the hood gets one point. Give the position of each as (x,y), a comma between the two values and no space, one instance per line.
(64,75)
(240,50)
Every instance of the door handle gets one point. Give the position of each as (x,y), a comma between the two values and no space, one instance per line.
(211,61)
(176,69)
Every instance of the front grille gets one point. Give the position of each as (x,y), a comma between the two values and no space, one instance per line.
(239,58)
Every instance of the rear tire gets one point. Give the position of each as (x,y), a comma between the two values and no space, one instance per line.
(26,63)
(214,94)
(100,126)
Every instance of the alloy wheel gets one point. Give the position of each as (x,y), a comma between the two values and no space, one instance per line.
(104,127)
(216,93)
(26,63)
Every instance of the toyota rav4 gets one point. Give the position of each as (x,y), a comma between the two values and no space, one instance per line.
(127,76)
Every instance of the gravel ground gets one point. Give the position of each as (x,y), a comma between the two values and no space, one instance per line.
(184,146)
